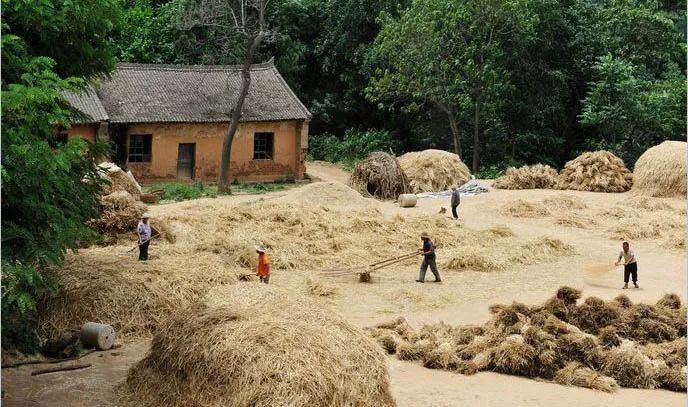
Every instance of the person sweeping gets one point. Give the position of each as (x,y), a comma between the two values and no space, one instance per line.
(145,233)
(455,201)
(263,271)
(630,265)
(428,252)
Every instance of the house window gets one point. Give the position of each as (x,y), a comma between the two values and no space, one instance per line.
(140,148)
(263,146)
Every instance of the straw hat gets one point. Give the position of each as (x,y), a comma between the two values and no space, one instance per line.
(146,215)
(260,249)
(425,235)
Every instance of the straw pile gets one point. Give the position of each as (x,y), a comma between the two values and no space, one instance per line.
(379,175)
(599,171)
(118,180)
(292,353)
(597,344)
(525,209)
(325,194)
(661,170)
(434,170)
(536,176)
(120,212)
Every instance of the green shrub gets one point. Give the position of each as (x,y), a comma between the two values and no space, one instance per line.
(355,146)
(181,192)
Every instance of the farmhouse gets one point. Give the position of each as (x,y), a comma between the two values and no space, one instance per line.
(169,121)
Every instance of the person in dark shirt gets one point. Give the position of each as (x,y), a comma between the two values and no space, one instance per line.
(455,201)
(428,252)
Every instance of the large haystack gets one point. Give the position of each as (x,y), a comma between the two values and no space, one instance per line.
(599,171)
(380,176)
(433,170)
(118,180)
(221,352)
(528,177)
(661,170)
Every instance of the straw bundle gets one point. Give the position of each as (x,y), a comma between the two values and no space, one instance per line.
(527,177)
(222,352)
(379,175)
(629,367)
(120,212)
(433,170)
(576,374)
(599,171)
(661,170)
(118,180)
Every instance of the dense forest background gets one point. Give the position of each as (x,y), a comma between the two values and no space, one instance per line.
(509,81)
(501,82)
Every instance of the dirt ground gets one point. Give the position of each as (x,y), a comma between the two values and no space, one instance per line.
(462,298)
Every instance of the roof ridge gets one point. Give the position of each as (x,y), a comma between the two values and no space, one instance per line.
(192,68)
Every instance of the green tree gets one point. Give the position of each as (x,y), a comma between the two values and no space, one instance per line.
(453,56)
(49,189)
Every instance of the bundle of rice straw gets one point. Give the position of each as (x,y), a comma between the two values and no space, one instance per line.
(661,170)
(379,175)
(291,353)
(434,170)
(536,176)
(599,171)
(576,374)
(120,212)
(118,180)
(535,341)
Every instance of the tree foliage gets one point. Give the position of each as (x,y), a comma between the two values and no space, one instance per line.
(49,188)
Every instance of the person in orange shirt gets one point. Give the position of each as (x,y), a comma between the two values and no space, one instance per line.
(263,265)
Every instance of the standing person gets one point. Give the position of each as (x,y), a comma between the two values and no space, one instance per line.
(630,265)
(455,201)
(428,252)
(263,271)
(144,232)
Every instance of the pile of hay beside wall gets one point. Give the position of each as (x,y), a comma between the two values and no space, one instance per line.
(528,177)
(120,212)
(118,180)
(291,353)
(434,170)
(661,170)
(597,344)
(599,171)
(379,175)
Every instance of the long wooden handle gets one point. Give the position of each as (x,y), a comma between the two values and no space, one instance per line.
(393,258)
(389,263)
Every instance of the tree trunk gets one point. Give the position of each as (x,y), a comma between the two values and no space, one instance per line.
(476,135)
(224,184)
(455,134)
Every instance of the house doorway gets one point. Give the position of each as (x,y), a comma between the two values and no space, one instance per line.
(186,160)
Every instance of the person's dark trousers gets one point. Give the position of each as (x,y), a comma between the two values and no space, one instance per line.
(456,215)
(632,271)
(143,251)
(424,268)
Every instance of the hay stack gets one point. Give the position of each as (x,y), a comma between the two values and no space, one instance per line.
(599,171)
(525,209)
(575,374)
(120,213)
(379,175)
(629,367)
(222,352)
(326,194)
(661,170)
(433,170)
(119,180)
(536,176)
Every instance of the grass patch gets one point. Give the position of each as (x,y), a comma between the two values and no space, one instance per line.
(179,191)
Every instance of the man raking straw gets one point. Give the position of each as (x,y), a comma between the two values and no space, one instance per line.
(263,271)
(630,265)
(145,234)
(428,252)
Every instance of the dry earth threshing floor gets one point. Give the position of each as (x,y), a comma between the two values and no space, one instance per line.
(462,298)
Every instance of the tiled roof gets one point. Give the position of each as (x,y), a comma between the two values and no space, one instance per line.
(88,104)
(142,93)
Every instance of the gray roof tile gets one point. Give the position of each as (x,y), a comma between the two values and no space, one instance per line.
(142,93)
(87,103)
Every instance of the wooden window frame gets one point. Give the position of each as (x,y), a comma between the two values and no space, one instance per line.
(142,155)
(264,147)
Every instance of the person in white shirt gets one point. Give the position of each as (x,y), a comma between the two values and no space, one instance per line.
(630,265)
(144,232)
